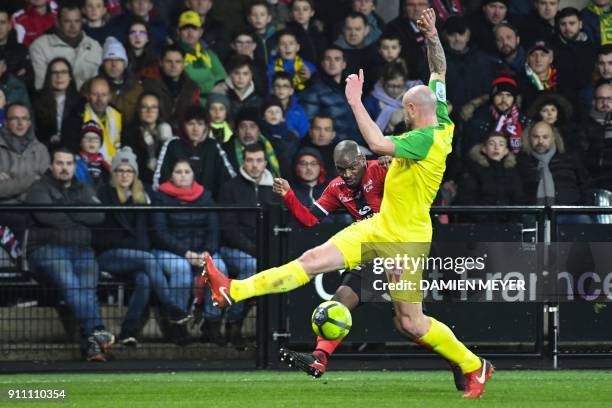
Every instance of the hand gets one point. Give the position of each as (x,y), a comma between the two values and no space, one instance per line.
(203,256)
(467,111)
(4,176)
(281,186)
(354,88)
(451,187)
(385,161)
(305,72)
(427,23)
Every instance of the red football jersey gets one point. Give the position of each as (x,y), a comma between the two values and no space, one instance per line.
(360,203)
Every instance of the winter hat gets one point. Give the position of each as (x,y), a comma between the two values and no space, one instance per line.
(218,98)
(125,156)
(92,127)
(311,151)
(485,2)
(456,24)
(272,101)
(504,83)
(113,49)
(248,114)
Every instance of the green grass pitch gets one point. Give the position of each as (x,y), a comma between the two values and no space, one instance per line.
(352,389)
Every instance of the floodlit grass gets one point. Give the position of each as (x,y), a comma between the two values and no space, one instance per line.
(351,389)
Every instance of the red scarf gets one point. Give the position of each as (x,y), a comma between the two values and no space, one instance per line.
(182,194)
(94,159)
(510,125)
(448,8)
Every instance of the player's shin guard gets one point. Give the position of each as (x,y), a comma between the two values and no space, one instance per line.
(276,280)
(442,340)
(327,347)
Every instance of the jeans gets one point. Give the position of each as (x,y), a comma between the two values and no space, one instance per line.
(241,266)
(74,271)
(180,275)
(147,275)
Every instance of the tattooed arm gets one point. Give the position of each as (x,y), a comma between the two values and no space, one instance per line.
(435,52)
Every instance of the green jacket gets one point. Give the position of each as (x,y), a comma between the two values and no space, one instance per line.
(204,68)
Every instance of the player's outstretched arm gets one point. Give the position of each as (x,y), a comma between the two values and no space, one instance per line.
(435,52)
(372,134)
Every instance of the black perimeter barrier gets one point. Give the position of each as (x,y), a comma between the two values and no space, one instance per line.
(34,323)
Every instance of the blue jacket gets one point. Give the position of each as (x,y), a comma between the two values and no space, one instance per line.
(296,117)
(327,97)
(181,231)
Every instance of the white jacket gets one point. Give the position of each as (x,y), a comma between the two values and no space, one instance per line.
(85,58)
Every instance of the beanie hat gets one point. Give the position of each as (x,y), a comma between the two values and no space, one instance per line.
(92,127)
(456,24)
(218,98)
(113,49)
(125,156)
(272,101)
(504,84)
(485,2)
(311,151)
(248,114)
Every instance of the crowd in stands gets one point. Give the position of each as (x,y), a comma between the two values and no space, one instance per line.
(202,102)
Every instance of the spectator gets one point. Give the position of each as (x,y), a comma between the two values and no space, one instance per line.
(550,175)
(201,63)
(69,41)
(253,186)
(311,39)
(284,140)
(575,54)
(124,249)
(296,117)
(146,135)
(34,20)
(218,109)
(60,253)
(482,23)
(310,178)
(259,18)
(492,177)
(175,89)
(143,60)
(384,103)
(445,10)
(509,52)
(359,51)
(326,97)
(14,90)
(597,133)
(23,159)
(557,111)
(375,23)
(469,71)
(124,88)
(91,168)
(248,132)
(604,64)
(279,12)
(541,74)
(322,137)
(501,115)
(239,86)
(57,104)
(540,24)
(244,43)
(208,160)
(288,60)
(16,54)
(597,25)
(215,35)
(142,9)
(413,42)
(99,110)
(389,50)
(183,239)
(96,21)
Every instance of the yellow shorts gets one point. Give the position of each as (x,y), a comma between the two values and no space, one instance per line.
(365,240)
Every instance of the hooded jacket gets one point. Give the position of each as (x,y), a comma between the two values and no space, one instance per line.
(23,166)
(240,229)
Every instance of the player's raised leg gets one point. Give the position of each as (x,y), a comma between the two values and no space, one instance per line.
(438,337)
(323,258)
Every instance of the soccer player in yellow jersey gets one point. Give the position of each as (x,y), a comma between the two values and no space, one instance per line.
(410,187)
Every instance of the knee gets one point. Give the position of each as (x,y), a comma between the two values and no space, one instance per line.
(309,260)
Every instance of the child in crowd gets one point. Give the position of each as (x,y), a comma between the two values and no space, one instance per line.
(245,43)
(96,18)
(289,61)
(259,19)
(309,34)
(239,86)
(91,168)
(275,128)
(218,107)
(282,88)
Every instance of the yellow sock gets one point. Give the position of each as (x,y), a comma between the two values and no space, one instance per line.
(442,340)
(275,280)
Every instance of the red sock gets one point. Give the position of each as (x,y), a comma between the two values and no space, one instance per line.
(326,347)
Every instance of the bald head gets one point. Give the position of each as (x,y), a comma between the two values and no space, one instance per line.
(419,107)
(541,137)
(346,153)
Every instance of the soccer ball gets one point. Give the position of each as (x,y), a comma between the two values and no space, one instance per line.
(331,320)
